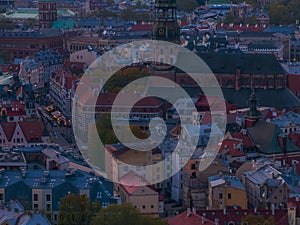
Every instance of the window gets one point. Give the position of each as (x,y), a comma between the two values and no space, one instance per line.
(48,207)
(143,206)
(193,166)
(35,197)
(35,206)
(229,195)
(48,197)
(152,206)
(220,195)
(1,196)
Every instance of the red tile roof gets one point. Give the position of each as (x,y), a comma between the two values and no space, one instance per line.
(193,219)
(132,181)
(236,215)
(32,130)
(250,28)
(8,129)
(216,101)
(230,145)
(69,79)
(247,142)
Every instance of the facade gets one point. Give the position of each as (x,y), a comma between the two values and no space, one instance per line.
(47,13)
(51,60)
(32,72)
(226,191)
(25,133)
(120,160)
(268,187)
(42,190)
(13,111)
(62,89)
(85,56)
(20,44)
(143,110)
(135,189)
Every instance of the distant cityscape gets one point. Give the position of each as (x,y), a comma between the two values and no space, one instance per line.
(54,108)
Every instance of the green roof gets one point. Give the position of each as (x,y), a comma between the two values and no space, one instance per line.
(63,24)
(218,2)
(266,136)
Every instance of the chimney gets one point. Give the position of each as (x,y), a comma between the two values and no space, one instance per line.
(188,212)
(194,211)
(204,218)
(224,211)
(255,210)
(273,209)
(216,221)
(297,198)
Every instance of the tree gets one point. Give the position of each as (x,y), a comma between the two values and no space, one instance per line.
(77,209)
(258,219)
(279,14)
(124,214)
(30,22)
(6,24)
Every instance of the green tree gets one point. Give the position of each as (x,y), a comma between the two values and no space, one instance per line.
(279,14)
(259,219)
(187,5)
(77,209)
(30,22)
(6,24)
(124,214)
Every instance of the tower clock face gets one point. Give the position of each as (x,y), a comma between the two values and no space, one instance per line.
(161,31)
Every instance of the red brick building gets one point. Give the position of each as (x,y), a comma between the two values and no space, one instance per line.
(20,44)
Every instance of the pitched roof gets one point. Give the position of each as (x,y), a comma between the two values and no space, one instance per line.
(266,135)
(237,215)
(132,181)
(193,219)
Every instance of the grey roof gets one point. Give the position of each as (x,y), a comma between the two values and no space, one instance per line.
(276,98)
(262,174)
(47,33)
(264,64)
(233,181)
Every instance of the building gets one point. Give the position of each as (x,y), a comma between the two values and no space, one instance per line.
(13,111)
(62,89)
(189,218)
(86,56)
(32,72)
(237,216)
(47,13)
(226,191)
(120,160)
(52,62)
(143,110)
(42,190)
(23,133)
(136,190)
(13,213)
(19,44)
(268,187)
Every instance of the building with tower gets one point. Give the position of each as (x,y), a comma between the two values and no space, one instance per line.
(47,13)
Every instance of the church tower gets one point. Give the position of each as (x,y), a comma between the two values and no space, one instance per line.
(47,13)
(165,26)
(253,114)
